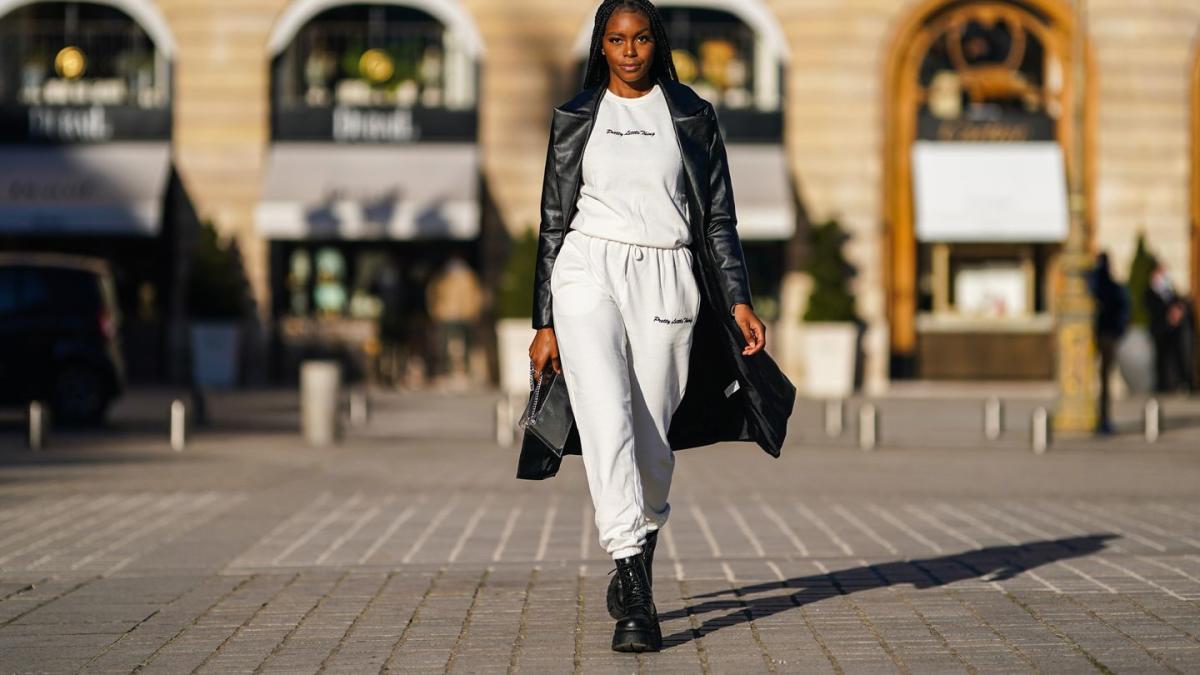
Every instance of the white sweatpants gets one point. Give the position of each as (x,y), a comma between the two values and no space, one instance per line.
(623,316)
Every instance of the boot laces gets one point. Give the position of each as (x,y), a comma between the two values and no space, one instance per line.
(637,593)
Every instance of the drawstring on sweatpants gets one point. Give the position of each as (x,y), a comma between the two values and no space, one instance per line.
(638,252)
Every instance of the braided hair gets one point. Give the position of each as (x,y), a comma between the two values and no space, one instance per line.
(597,72)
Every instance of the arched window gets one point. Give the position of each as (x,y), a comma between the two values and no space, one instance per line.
(79,71)
(373,73)
(979,132)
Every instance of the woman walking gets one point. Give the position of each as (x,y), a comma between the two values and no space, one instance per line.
(641,296)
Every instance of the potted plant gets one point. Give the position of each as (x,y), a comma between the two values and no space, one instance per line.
(514,329)
(831,329)
(216,296)
(1135,352)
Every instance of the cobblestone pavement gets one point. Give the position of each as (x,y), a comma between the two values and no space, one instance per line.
(410,548)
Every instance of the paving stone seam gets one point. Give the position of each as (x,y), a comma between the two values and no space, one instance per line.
(577,656)
(937,634)
(304,617)
(1096,662)
(366,610)
(1004,639)
(466,627)
(514,659)
(238,631)
(1096,616)
(139,624)
(149,659)
(55,598)
(1136,603)
(737,591)
(694,623)
(24,589)
(783,583)
(865,619)
(412,620)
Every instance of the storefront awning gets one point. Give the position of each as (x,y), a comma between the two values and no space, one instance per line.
(105,189)
(762,191)
(332,191)
(990,192)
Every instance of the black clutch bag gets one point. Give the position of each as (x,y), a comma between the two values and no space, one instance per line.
(547,423)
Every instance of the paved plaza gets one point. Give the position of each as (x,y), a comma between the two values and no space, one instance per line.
(410,548)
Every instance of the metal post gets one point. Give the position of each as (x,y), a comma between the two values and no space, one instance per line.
(993,419)
(1041,431)
(1152,420)
(37,426)
(868,427)
(834,417)
(319,384)
(360,408)
(178,425)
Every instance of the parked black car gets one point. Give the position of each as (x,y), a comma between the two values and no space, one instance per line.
(59,335)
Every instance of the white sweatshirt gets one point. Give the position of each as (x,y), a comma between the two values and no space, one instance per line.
(634,189)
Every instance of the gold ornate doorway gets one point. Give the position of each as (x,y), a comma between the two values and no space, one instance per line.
(978,100)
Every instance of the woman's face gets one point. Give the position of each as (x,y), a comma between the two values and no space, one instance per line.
(629,46)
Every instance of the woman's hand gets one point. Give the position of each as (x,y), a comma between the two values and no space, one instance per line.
(544,348)
(752,327)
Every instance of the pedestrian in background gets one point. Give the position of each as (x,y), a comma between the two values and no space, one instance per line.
(647,296)
(1172,325)
(1111,319)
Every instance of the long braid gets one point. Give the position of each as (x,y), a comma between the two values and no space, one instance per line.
(597,72)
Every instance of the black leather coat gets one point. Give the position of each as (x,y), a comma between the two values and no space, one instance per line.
(729,397)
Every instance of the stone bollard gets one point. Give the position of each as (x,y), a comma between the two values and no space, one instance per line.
(868,427)
(319,395)
(360,408)
(1040,440)
(178,426)
(834,417)
(993,419)
(1152,420)
(38,423)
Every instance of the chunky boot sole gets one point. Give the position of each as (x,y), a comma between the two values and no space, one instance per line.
(637,641)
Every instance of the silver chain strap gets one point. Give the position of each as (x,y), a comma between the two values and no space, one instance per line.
(536,389)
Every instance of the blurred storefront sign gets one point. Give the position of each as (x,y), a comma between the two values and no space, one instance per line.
(329,191)
(109,189)
(990,192)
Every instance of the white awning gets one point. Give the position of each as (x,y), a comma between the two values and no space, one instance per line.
(762,191)
(106,189)
(990,192)
(332,191)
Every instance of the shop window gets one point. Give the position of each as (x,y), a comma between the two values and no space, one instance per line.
(714,53)
(373,73)
(79,54)
(365,55)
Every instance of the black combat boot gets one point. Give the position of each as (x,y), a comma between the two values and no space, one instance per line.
(637,628)
(615,609)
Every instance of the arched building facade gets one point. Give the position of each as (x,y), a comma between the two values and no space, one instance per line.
(851,110)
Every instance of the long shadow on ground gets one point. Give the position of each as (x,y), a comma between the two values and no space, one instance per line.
(996,563)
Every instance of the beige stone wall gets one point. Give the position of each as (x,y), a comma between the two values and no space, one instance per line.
(1143,50)
(1144,53)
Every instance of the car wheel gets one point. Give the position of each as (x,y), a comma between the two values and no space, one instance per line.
(79,396)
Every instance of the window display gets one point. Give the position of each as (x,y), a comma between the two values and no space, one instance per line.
(79,54)
(366,56)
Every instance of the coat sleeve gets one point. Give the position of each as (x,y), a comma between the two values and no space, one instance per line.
(721,228)
(550,236)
